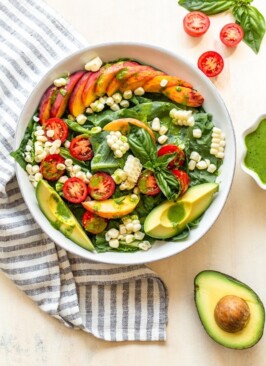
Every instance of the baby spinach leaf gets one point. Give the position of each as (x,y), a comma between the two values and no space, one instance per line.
(18,154)
(209,7)
(66,155)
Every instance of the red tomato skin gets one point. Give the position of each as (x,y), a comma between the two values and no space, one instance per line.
(94,224)
(178,161)
(101,186)
(213,57)
(196,23)
(62,126)
(76,143)
(147,184)
(183,178)
(234,28)
(48,167)
(71,182)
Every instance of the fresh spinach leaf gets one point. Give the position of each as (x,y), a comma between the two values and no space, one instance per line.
(209,7)
(18,154)
(253,24)
(181,236)
(66,155)
(74,126)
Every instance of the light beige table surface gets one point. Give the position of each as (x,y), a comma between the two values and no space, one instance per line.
(235,245)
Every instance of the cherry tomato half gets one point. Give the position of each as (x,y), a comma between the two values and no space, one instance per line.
(75,190)
(49,169)
(80,148)
(94,224)
(231,34)
(196,23)
(147,183)
(59,127)
(211,63)
(170,149)
(183,180)
(101,186)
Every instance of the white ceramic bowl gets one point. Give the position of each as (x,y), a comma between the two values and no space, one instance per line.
(250,172)
(173,64)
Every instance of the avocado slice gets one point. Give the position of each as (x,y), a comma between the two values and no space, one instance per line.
(170,218)
(244,317)
(60,216)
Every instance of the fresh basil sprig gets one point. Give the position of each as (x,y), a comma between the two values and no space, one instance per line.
(249,17)
(144,148)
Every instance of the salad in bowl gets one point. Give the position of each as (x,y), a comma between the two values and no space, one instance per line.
(122,156)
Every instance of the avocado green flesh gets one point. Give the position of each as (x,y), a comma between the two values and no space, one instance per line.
(210,287)
(59,215)
(170,218)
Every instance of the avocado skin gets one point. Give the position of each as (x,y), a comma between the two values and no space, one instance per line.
(236,283)
(66,223)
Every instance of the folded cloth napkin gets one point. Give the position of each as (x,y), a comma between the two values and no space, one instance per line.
(112,302)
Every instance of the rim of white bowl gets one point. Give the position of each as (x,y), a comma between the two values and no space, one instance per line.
(128,258)
(247,170)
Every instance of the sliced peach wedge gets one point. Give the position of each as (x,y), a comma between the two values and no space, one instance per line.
(122,125)
(46,103)
(108,74)
(186,96)
(89,95)
(154,85)
(61,100)
(139,79)
(113,208)
(75,103)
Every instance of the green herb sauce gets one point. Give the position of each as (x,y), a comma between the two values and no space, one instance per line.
(255,158)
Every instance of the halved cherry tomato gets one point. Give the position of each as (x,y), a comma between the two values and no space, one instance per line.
(75,190)
(49,169)
(147,183)
(170,149)
(231,34)
(196,23)
(80,147)
(211,63)
(59,127)
(183,178)
(94,224)
(101,186)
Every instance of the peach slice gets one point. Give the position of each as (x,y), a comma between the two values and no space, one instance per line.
(60,103)
(122,125)
(89,94)
(75,103)
(154,85)
(108,74)
(113,208)
(139,79)
(46,103)
(185,96)
(123,75)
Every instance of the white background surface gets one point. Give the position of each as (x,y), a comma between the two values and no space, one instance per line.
(235,245)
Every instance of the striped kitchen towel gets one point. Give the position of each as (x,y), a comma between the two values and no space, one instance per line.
(112,302)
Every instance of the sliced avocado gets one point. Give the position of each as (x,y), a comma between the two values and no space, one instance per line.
(230,311)
(170,218)
(60,216)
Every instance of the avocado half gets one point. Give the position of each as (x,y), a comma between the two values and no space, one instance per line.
(60,216)
(212,286)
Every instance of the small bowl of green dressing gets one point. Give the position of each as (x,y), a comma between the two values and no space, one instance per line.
(253,160)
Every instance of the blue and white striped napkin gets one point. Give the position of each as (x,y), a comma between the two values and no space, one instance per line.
(112,302)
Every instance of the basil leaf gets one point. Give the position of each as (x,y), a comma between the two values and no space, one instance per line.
(168,184)
(164,160)
(253,24)
(209,7)
(142,145)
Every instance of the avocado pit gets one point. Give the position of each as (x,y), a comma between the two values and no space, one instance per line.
(232,313)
